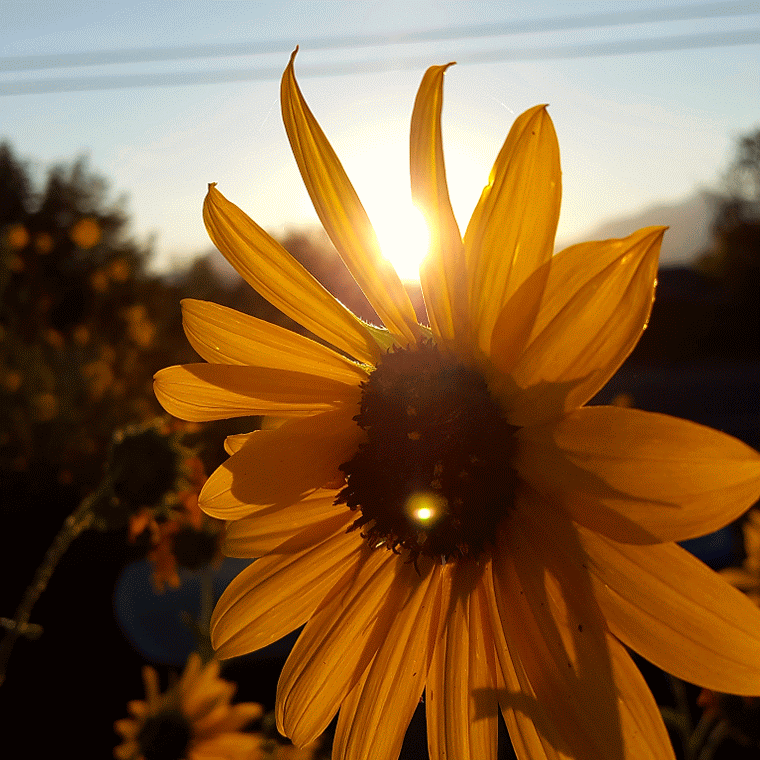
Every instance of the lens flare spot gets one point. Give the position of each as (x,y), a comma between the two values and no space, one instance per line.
(425,507)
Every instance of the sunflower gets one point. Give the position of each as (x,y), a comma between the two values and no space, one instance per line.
(193,719)
(439,509)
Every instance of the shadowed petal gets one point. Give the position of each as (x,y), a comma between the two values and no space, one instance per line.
(511,232)
(460,693)
(278,593)
(595,306)
(569,674)
(342,214)
(532,735)
(225,336)
(265,529)
(442,274)
(223,746)
(273,273)
(338,643)
(637,476)
(591,692)
(375,716)
(202,392)
(279,467)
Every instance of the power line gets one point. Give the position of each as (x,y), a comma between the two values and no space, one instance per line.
(185,78)
(523,26)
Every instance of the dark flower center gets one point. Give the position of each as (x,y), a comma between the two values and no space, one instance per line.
(433,476)
(165,736)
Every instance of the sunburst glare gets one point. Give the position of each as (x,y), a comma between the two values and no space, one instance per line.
(403,235)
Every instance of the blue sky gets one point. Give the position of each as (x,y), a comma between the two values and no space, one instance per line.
(634,129)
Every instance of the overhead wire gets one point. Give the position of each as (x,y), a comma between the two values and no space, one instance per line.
(501,54)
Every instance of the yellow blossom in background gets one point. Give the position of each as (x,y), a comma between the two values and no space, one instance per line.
(99,376)
(12,380)
(14,263)
(81,335)
(118,270)
(99,281)
(193,720)
(86,233)
(43,243)
(54,338)
(439,509)
(46,406)
(17,237)
(140,328)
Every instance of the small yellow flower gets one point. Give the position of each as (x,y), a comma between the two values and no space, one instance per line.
(17,237)
(86,233)
(439,509)
(193,720)
(44,243)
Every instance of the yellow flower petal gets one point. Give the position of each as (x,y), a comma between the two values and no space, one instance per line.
(460,692)
(201,392)
(265,529)
(590,690)
(510,335)
(279,592)
(442,274)
(225,718)
(530,732)
(665,604)
(279,467)
(637,476)
(569,668)
(233,443)
(338,643)
(375,716)
(230,745)
(225,336)
(343,215)
(596,304)
(511,232)
(271,271)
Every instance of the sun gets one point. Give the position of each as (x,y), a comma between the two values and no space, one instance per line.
(403,235)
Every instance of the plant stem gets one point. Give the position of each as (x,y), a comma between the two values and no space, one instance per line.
(77,522)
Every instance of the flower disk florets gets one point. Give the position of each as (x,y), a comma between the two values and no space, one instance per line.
(165,736)
(433,476)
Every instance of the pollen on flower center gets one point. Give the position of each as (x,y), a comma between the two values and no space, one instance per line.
(433,476)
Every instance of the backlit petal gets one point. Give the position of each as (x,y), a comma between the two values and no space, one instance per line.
(278,593)
(279,467)
(202,392)
(272,272)
(225,336)
(461,699)
(511,232)
(342,214)
(595,306)
(442,274)
(637,476)
(265,529)
(338,643)
(373,721)
(671,608)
